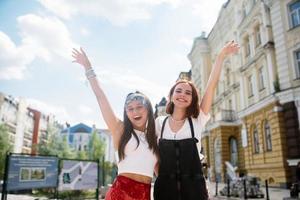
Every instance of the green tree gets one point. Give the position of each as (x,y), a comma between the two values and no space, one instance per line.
(82,155)
(5,146)
(56,145)
(96,147)
(64,149)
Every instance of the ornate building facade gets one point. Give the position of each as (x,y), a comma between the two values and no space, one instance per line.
(256,109)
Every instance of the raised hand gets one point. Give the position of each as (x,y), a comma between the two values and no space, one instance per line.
(81,58)
(230,48)
(207,99)
(114,124)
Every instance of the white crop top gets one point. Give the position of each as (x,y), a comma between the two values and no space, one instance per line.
(138,160)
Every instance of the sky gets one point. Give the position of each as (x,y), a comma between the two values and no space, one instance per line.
(132,44)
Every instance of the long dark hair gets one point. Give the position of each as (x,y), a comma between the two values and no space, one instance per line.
(193,109)
(128,131)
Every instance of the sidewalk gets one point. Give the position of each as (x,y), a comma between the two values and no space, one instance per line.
(19,197)
(274,193)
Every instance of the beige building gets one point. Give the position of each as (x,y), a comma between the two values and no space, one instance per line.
(256,109)
(26,126)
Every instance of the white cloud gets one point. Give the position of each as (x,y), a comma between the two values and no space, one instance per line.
(207,11)
(13,59)
(48,34)
(60,112)
(132,81)
(84,32)
(186,41)
(85,110)
(42,37)
(118,12)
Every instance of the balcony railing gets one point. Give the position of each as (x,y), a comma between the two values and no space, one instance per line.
(228,115)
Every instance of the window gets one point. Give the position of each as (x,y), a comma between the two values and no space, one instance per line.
(227,76)
(257,36)
(233,151)
(247,6)
(247,47)
(268,136)
(261,79)
(230,104)
(218,159)
(250,86)
(256,141)
(297,56)
(294,10)
(244,12)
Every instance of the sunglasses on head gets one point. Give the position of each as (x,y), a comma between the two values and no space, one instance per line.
(135,97)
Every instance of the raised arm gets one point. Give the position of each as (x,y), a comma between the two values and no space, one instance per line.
(207,99)
(114,124)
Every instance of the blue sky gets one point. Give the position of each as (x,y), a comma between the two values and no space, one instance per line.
(132,44)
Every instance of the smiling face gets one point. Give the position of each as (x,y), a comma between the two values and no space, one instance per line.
(182,95)
(137,114)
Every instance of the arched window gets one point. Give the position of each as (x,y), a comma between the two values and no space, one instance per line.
(247,47)
(268,136)
(228,82)
(255,140)
(233,151)
(244,11)
(261,78)
(257,36)
(218,160)
(294,12)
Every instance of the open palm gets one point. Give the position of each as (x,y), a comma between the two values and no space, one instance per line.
(81,58)
(230,48)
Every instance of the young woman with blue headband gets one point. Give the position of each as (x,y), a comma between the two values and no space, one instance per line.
(134,138)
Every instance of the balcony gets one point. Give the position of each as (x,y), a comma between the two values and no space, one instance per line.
(226,116)
(28,136)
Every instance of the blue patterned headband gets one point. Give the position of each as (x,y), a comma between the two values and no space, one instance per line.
(135,97)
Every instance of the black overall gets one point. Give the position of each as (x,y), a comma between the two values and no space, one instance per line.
(180,171)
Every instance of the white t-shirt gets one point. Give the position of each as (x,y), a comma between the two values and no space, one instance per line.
(185,131)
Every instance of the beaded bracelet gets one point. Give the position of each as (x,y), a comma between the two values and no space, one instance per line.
(90,73)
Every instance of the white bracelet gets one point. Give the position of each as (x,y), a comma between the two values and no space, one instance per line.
(90,73)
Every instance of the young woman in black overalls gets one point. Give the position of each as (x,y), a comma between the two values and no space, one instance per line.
(180,175)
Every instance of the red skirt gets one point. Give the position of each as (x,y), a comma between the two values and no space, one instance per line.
(125,188)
